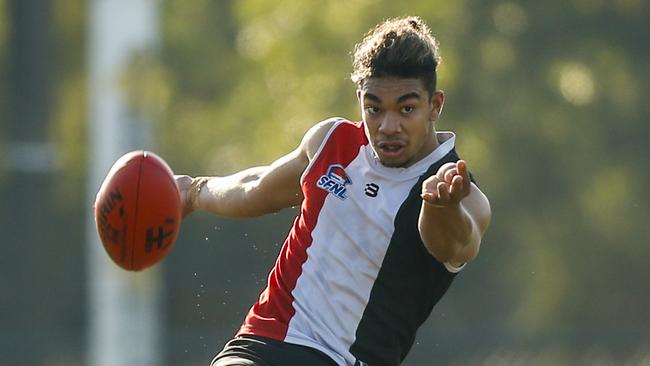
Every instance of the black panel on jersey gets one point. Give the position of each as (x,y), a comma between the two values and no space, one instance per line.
(408,285)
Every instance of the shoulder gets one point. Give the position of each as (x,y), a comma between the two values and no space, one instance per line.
(319,133)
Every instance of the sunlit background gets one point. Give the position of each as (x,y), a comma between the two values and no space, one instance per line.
(549,100)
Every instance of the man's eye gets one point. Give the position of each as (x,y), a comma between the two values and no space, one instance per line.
(372,110)
(407,109)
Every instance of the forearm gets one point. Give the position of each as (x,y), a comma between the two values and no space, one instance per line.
(229,196)
(449,233)
(251,192)
(255,191)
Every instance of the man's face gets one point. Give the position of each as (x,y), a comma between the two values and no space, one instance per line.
(398,116)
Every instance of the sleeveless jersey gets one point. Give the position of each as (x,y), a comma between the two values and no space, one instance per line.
(353,278)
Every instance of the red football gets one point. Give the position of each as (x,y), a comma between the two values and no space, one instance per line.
(138,210)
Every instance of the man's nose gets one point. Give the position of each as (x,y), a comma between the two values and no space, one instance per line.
(390,125)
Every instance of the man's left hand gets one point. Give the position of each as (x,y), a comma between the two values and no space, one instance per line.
(448,186)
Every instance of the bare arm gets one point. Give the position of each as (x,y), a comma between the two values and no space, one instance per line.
(254,191)
(454,215)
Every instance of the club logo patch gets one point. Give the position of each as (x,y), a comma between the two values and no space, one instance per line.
(335,181)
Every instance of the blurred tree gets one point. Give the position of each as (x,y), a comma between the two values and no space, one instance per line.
(69,127)
(5,26)
(547,100)
(30,222)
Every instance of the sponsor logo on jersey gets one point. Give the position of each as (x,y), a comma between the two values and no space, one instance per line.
(335,181)
(371,190)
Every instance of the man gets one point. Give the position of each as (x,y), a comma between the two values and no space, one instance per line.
(389,215)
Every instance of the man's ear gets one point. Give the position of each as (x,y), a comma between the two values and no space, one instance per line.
(437,102)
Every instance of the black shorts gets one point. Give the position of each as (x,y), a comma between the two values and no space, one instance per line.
(260,351)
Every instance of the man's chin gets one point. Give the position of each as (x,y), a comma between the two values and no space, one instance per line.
(399,159)
(393,163)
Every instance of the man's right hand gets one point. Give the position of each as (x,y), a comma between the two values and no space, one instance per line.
(184,183)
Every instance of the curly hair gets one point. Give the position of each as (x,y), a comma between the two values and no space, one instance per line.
(399,47)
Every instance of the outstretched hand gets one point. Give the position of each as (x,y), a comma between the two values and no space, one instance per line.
(184,183)
(448,186)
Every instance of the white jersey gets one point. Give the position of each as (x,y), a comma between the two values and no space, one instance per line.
(353,278)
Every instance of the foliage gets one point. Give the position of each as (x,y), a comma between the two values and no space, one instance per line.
(547,99)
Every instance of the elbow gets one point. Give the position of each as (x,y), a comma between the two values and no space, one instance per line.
(442,249)
(441,253)
(455,250)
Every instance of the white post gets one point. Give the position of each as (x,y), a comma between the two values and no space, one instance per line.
(123,307)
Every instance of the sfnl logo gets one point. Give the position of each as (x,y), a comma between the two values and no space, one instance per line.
(335,181)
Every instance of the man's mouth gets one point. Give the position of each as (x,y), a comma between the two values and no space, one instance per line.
(391,148)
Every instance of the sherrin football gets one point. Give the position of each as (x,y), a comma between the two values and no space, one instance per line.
(138,210)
